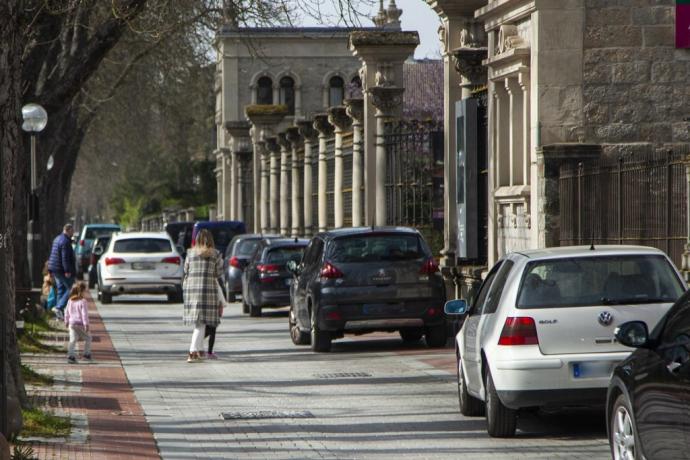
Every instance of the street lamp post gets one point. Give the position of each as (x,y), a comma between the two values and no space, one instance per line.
(3,315)
(35,120)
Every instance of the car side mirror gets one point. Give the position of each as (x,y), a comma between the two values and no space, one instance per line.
(456,307)
(98,251)
(633,334)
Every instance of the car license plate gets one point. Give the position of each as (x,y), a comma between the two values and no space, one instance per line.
(380,309)
(592,369)
(142,266)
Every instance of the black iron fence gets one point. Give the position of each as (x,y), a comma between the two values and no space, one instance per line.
(632,199)
(414,177)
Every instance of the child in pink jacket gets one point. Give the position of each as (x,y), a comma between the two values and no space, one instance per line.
(77,320)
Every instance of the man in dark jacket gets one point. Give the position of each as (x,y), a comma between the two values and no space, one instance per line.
(61,265)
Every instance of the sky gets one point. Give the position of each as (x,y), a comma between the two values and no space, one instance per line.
(417,15)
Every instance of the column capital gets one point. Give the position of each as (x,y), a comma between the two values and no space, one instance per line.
(468,63)
(283,141)
(386,98)
(337,116)
(238,128)
(355,110)
(293,136)
(272,144)
(307,131)
(322,125)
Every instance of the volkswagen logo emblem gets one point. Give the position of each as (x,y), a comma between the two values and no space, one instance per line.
(605,318)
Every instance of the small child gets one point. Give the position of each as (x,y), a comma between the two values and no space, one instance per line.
(77,320)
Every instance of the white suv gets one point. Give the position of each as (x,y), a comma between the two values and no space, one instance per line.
(541,330)
(140,263)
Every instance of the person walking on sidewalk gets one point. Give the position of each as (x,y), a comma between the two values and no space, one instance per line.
(211,330)
(202,268)
(77,320)
(61,265)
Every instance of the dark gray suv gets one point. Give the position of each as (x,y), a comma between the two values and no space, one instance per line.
(360,280)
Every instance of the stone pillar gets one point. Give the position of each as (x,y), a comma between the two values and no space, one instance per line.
(240,138)
(337,116)
(382,53)
(386,99)
(285,156)
(274,184)
(294,138)
(325,130)
(355,110)
(265,198)
(516,132)
(309,135)
(220,182)
(264,118)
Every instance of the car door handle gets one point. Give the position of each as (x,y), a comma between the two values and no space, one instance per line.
(674,366)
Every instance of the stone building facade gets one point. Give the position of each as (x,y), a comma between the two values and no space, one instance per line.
(567,80)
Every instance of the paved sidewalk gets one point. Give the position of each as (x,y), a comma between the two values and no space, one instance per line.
(109,421)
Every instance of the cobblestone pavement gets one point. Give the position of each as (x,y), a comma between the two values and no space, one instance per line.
(370,398)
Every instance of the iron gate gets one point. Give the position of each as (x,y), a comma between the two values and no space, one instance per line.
(632,199)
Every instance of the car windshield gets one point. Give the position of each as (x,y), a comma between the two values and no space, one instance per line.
(246,248)
(222,236)
(376,248)
(281,256)
(602,280)
(142,245)
(93,232)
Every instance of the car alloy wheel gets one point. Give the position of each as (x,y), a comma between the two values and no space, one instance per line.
(622,431)
(298,337)
(469,405)
(320,340)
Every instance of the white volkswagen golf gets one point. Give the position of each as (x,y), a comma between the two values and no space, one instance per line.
(540,332)
(140,263)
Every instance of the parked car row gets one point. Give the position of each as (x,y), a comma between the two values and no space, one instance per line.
(548,328)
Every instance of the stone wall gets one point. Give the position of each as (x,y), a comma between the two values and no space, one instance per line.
(635,83)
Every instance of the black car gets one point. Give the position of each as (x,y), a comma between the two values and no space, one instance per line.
(360,280)
(266,279)
(648,404)
(237,256)
(100,244)
(181,234)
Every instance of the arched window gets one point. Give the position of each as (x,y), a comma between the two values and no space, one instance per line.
(287,94)
(336,91)
(354,88)
(264,91)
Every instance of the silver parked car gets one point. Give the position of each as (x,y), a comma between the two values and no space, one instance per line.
(540,332)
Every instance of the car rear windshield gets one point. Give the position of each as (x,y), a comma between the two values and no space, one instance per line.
(602,280)
(143,245)
(222,236)
(93,232)
(376,248)
(246,248)
(284,254)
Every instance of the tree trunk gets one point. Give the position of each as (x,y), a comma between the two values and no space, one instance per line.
(11,149)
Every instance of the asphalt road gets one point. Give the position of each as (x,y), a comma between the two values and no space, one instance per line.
(370,398)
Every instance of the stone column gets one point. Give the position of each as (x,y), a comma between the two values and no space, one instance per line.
(274,184)
(294,138)
(264,118)
(306,130)
(386,99)
(337,116)
(264,197)
(325,130)
(285,155)
(516,132)
(382,53)
(355,110)
(240,136)
(220,182)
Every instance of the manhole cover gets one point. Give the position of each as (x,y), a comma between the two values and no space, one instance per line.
(342,375)
(261,414)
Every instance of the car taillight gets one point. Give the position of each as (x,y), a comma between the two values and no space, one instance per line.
(114,261)
(330,271)
(235,262)
(268,269)
(172,260)
(81,242)
(519,330)
(430,267)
